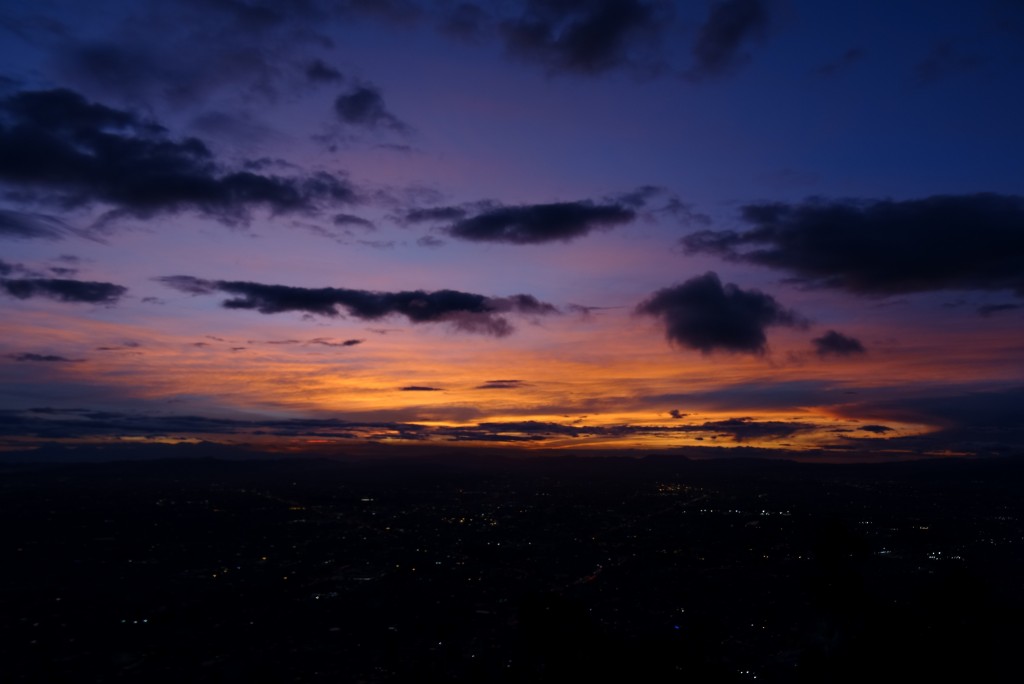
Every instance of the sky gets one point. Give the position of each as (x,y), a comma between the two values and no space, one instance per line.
(785,226)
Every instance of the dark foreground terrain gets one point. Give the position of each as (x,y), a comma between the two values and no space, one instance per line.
(511,570)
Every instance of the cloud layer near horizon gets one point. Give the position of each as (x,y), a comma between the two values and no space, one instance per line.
(365,184)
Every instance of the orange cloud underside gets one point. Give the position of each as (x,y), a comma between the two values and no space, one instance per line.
(582,375)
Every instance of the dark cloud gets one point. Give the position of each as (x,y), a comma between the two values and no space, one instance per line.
(322,341)
(676,414)
(501,384)
(60,423)
(703,314)
(967,419)
(41,358)
(318,71)
(190,285)
(465,311)
(420,388)
(585,36)
(737,429)
(435,214)
(71,423)
(63,290)
(523,303)
(18,270)
(876,429)
(730,25)
(55,423)
(17,224)
(742,429)
(181,59)
(834,343)
(991,309)
(842,63)
(523,429)
(194,50)
(350,220)
(127,345)
(537,223)
(330,343)
(883,247)
(364,106)
(948,407)
(251,15)
(588,37)
(74,152)
(125,68)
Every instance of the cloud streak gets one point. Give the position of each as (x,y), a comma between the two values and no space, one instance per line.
(63,290)
(501,385)
(587,37)
(834,343)
(528,224)
(32,226)
(363,106)
(467,312)
(76,423)
(41,358)
(729,26)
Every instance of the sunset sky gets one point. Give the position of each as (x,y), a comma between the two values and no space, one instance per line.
(782,224)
